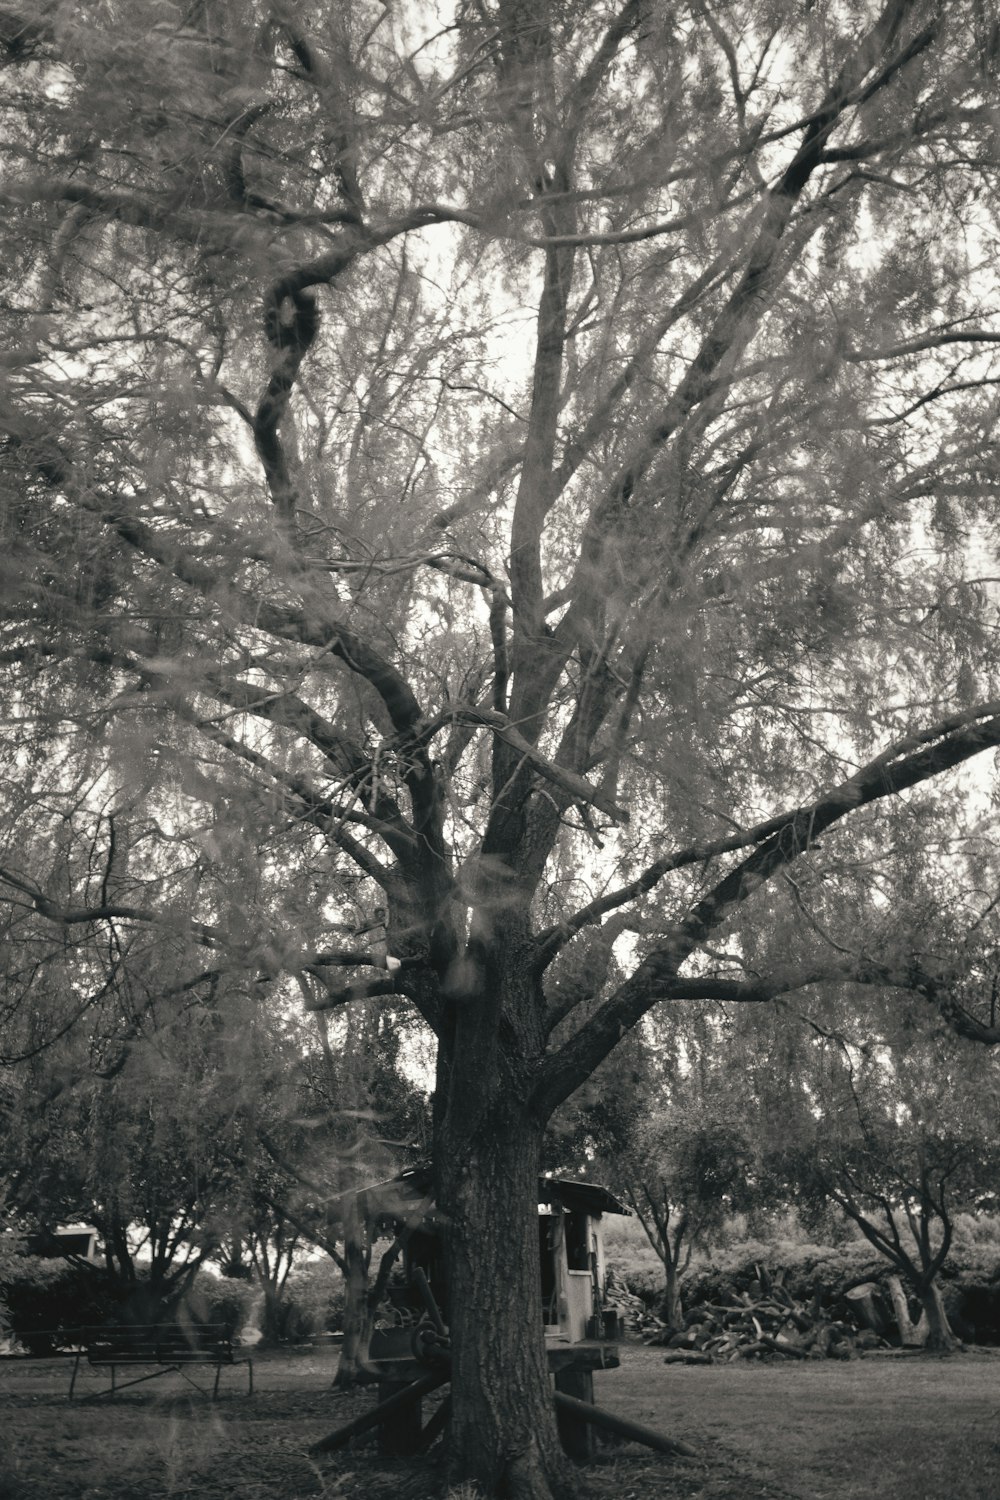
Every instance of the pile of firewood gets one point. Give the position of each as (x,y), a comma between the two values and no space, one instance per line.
(764,1322)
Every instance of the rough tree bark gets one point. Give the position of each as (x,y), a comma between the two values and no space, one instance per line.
(503,1433)
(939,1331)
(358,1312)
(932,1329)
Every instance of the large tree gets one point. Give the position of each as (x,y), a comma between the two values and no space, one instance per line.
(474,471)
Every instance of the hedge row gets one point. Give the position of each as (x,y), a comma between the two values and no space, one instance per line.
(42,1300)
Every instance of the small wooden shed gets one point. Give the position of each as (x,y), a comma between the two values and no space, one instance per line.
(75,1241)
(572,1261)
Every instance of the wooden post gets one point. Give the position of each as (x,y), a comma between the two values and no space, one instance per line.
(400,1430)
(436,1425)
(576,1437)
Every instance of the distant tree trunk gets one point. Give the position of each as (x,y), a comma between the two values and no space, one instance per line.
(934,1319)
(362,1300)
(910,1334)
(672,1310)
(272,1312)
(667,1235)
(359,1315)
(117,1253)
(233,1264)
(932,1330)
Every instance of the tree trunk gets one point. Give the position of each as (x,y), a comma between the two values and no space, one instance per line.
(272,1311)
(672,1310)
(934,1320)
(911,1335)
(503,1429)
(359,1317)
(933,1330)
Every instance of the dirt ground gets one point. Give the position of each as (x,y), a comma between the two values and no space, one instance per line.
(905,1429)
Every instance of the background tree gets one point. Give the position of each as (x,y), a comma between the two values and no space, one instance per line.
(496,470)
(664,1123)
(900,1147)
(345,1115)
(146,1142)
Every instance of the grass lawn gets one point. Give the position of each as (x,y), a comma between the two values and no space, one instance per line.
(907,1429)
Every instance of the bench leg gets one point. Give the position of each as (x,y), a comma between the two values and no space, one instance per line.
(215,1388)
(72,1383)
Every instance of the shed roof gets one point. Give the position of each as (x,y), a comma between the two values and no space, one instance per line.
(410,1194)
(586,1195)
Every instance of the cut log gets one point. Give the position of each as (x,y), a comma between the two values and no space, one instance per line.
(865,1308)
(782,1346)
(819,1344)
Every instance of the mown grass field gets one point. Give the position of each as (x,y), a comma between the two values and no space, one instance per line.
(902,1429)
(908,1428)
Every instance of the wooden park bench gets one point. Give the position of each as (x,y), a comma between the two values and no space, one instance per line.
(171,1349)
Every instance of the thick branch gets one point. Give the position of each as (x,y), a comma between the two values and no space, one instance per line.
(885,776)
(67,916)
(365,989)
(728,336)
(576,787)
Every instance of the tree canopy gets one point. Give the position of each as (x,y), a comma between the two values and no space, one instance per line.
(476,473)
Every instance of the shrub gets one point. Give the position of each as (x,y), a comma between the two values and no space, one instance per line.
(45,1299)
(215,1299)
(976,1240)
(313,1300)
(647,1282)
(970,1288)
(626,1242)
